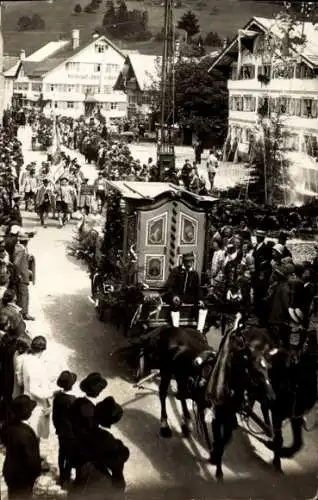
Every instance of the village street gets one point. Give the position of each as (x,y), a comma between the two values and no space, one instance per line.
(157,468)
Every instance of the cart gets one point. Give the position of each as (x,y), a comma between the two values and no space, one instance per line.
(159,222)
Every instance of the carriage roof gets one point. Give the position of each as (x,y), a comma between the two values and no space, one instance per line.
(151,191)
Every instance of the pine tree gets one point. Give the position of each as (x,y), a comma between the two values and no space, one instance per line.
(189,23)
(110,13)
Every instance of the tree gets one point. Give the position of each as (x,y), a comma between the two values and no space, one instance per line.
(213,39)
(189,23)
(201,100)
(37,23)
(24,23)
(78,8)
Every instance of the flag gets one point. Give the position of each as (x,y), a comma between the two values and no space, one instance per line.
(242,33)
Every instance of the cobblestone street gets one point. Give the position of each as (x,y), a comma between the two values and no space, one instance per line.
(157,469)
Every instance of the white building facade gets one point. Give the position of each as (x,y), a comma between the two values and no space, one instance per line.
(70,78)
(290,90)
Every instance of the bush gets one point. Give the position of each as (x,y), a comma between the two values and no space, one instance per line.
(78,8)
(35,22)
(159,37)
(24,23)
(213,39)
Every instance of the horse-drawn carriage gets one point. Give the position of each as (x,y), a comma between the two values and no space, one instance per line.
(153,225)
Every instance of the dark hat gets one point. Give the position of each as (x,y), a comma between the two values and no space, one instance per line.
(16,196)
(108,412)
(66,380)
(22,407)
(188,256)
(93,384)
(38,344)
(63,178)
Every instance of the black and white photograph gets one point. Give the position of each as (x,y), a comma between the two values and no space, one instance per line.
(158,250)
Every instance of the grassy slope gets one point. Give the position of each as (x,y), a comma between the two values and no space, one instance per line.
(59,19)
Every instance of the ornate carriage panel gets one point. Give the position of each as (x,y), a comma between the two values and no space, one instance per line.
(152,243)
(190,230)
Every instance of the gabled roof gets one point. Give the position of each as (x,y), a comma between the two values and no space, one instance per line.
(9,61)
(51,55)
(145,69)
(309,51)
(151,190)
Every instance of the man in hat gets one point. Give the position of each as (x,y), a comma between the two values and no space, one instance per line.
(44,200)
(22,273)
(183,286)
(15,212)
(4,255)
(83,420)
(262,255)
(282,240)
(13,311)
(22,464)
(278,301)
(30,188)
(61,416)
(12,240)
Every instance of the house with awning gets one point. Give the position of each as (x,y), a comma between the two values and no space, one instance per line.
(259,78)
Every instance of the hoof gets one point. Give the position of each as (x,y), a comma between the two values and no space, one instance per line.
(219,476)
(185,430)
(277,466)
(165,432)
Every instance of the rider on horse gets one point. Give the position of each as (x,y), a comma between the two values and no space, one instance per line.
(183,287)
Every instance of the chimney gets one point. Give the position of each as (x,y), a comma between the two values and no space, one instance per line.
(22,55)
(75,39)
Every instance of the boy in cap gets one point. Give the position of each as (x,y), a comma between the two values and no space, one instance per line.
(61,415)
(22,464)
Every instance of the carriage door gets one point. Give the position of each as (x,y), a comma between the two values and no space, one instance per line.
(152,243)
(190,235)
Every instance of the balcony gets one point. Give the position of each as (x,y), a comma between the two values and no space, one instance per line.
(288,86)
(245,116)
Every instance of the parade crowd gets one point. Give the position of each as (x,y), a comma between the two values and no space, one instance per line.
(261,275)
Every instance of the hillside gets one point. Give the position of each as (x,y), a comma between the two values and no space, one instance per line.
(222,16)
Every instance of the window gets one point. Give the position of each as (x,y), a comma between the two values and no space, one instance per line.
(264,69)
(107,89)
(73,67)
(100,47)
(113,105)
(111,68)
(51,88)
(36,87)
(70,105)
(247,72)
(97,68)
(303,72)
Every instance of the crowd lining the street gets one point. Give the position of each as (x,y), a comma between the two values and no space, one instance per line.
(263,276)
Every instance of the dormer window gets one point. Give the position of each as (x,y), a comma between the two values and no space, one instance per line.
(101,47)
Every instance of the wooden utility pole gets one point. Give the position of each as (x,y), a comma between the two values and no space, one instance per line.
(165,149)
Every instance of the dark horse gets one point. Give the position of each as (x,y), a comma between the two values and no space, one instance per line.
(210,379)
(293,376)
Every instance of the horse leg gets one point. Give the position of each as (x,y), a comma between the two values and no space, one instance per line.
(165,379)
(297,430)
(266,414)
(277,442)
(216,456)
(185,426)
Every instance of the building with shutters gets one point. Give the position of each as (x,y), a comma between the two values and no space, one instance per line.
(253,82)
(70,77)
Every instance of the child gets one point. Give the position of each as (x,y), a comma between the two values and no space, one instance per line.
(22,464)
(61,419)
